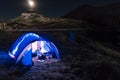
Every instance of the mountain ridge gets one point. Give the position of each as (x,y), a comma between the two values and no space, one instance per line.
(38,21)
(107,15)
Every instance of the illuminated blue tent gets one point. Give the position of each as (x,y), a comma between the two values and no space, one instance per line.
(28,44)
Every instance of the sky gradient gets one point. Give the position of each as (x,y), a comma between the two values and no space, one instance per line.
(52,8)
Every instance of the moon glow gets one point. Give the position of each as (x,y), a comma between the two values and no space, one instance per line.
(31,3)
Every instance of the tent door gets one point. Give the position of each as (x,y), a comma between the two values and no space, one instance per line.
(27,58)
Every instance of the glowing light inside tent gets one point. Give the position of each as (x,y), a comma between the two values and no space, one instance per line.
(44,47)
(31,3)
(23,46)
(35,46)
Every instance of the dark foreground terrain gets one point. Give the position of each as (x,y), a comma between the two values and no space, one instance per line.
(87,51)
(82,59)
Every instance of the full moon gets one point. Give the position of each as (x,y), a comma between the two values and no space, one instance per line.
(31,3)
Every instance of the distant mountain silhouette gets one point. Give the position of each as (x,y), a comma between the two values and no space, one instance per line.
(107,15)
(38,21)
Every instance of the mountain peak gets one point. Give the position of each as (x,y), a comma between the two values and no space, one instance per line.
(28,17)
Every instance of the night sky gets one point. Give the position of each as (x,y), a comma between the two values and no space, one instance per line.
(51,8)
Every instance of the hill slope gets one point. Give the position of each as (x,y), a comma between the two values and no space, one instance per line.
(37,21)
(107,15)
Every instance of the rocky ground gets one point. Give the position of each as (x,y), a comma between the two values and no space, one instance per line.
(87,60)
(83,58)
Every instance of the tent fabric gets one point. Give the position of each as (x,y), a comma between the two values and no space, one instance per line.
(21,42)
(27,44)
(24,52)
(27,58)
